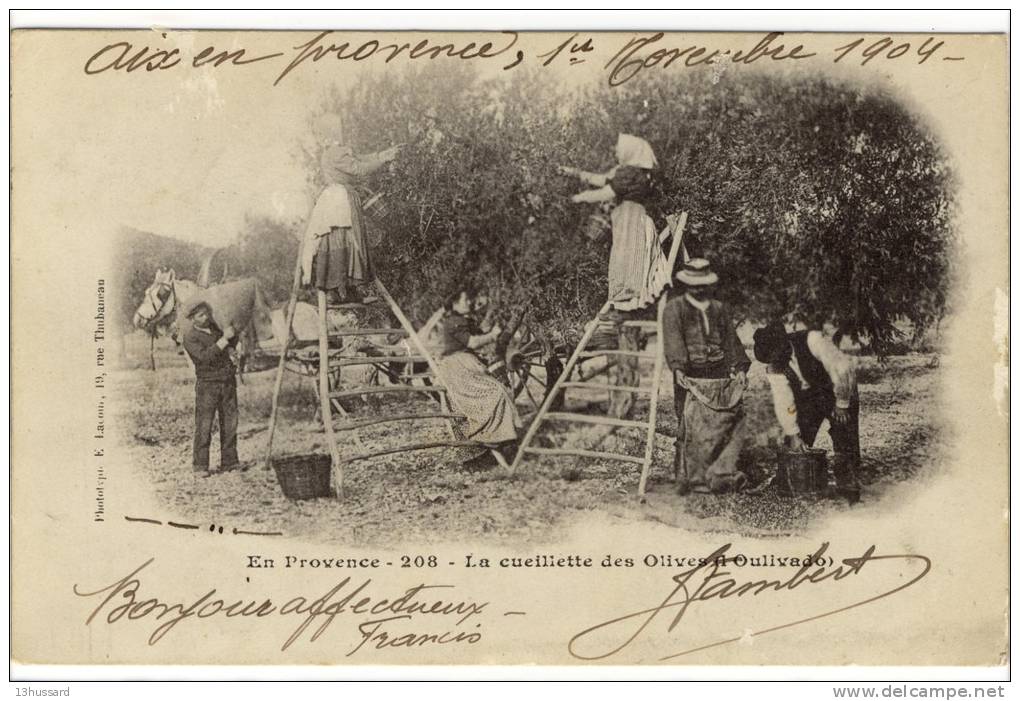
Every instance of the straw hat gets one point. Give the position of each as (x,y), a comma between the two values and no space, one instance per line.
(697,273)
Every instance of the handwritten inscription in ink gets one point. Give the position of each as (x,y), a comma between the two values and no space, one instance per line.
(629,56)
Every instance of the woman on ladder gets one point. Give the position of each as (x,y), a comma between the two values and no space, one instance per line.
(335,254)
(639,270)
(638,267)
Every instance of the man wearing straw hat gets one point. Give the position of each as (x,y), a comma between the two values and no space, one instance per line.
(710,375)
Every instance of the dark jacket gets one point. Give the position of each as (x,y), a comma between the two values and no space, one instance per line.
(815,374)
(212,363)
(695,351)
(457,330)
(630,183)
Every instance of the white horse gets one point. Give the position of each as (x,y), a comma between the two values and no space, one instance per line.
(238,303)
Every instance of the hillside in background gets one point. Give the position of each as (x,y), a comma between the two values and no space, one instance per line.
(137,256)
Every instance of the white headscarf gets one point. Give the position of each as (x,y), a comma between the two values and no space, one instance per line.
(635,151)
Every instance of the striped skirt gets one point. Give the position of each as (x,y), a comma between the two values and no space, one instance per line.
(638,269)
(485,401)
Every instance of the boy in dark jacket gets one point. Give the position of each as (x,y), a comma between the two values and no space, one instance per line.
(812,381)
(215,388)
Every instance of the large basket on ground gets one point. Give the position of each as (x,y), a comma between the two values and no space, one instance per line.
(803,472)
(303,476)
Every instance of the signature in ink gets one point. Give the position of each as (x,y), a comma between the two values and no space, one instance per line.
(710,581)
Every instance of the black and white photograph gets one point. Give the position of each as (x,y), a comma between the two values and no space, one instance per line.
(578,326)
(692,296)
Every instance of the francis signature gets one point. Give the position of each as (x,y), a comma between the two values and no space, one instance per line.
(710,582)
(385,622)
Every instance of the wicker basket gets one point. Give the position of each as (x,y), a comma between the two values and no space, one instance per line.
(303,476)
(803,472)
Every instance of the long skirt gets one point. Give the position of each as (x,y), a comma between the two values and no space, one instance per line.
(491,415)
(638,269)
(713,429)
(342,255)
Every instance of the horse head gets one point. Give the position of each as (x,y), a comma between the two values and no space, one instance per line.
(159,300)
(239,304)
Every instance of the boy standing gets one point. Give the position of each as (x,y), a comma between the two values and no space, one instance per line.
(811,381)
(215,388)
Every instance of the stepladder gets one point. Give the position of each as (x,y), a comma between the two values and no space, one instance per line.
(550,412)
(420,374)
(529,444)
(407,362)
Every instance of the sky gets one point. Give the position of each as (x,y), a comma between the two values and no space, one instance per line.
(190,153)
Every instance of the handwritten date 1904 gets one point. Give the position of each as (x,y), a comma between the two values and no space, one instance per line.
(638,53)
(644,52)
(889,49)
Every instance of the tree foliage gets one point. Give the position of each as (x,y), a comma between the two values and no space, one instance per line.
(137,256)
(819,201)
(267,250)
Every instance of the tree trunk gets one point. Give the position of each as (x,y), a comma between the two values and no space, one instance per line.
(626,373)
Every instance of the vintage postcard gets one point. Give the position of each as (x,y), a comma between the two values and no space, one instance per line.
(509,348)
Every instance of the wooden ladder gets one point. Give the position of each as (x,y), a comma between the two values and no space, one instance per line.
(564,383)
(436,386)
(329,396)
(581,352)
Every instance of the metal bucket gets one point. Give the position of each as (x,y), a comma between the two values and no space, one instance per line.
(803,472)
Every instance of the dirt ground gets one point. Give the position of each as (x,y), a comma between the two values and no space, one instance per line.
(429,496)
